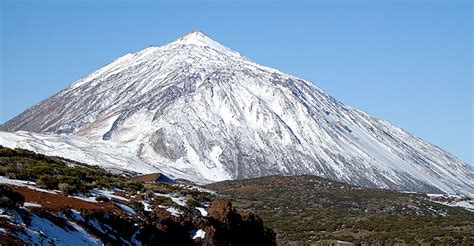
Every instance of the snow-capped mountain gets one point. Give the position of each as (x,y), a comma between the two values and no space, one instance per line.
(196,108)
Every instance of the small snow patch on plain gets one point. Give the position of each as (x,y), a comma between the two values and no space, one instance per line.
(108,194)
(146,206)
(181,201)
(199,234)
(202,210)
(31,204)
(173,211)
(127,209)
(86,199)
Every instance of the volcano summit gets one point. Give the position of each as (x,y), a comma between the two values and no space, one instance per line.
(198,110)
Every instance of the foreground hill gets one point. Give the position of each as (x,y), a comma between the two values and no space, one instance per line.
(195,109)
(309,209)
(46,201)
(49,200)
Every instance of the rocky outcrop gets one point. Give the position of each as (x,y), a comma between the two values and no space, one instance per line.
(109,225)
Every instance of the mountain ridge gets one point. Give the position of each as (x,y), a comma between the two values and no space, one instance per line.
(197,107)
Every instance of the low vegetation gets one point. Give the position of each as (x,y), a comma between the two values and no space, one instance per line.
(54,174)
(312,209)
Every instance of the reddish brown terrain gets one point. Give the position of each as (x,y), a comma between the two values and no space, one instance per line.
(45,201)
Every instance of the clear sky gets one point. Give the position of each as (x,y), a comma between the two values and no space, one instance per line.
(409,62)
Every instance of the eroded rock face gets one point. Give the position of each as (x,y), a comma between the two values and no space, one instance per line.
(222,211)
(223,226)
(232,225)
(168,144)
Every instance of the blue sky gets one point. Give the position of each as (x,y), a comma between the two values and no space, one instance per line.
(409,62)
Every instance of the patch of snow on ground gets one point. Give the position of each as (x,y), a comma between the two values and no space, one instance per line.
(146,206)
(108,194)
(28,184)
(4,215)
(444,195)
(108,154)
(5,180)
(202,210)
(40,226)
(199,234)
(86,199)
(198,188)
(458,201)
(181,201)
(174,211)
(31,204)
(465,204)
(127,209)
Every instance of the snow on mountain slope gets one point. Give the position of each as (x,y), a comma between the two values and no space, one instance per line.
(200,109)
(109,155)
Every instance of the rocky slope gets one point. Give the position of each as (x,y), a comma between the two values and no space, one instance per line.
(81,205)
(196,109)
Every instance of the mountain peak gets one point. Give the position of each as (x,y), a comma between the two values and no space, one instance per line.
(195,36)
(199,38)
(194,109)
